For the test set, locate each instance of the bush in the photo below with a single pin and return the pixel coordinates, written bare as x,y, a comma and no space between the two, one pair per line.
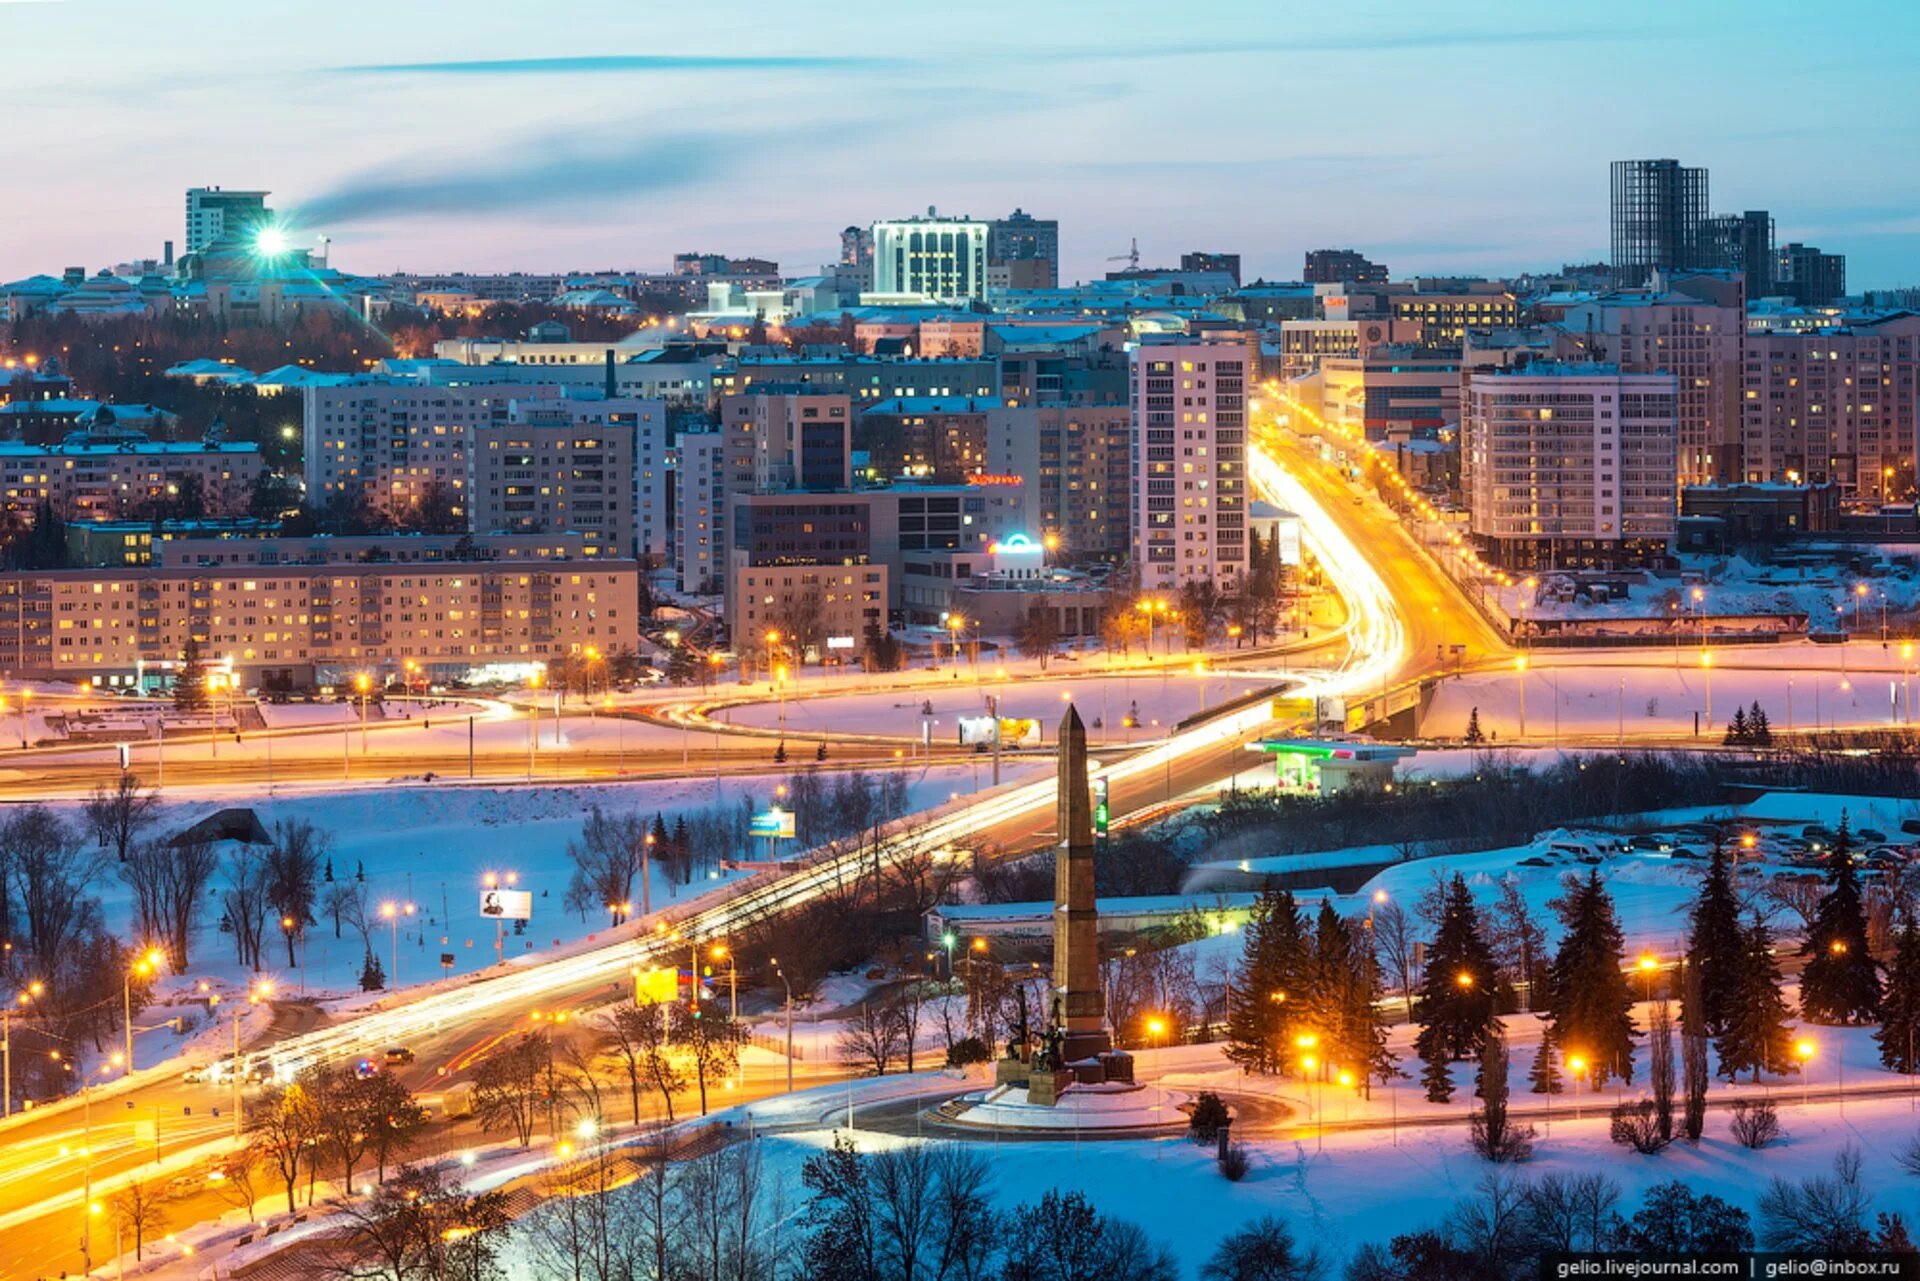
1637,1126
1209,1114
1674,1219
1755,1123
1234,1162
968,1049
1263,1250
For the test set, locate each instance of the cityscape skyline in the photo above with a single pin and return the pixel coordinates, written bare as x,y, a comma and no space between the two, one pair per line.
657,135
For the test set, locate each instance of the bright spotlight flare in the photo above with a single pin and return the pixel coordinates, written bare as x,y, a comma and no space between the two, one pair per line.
271,241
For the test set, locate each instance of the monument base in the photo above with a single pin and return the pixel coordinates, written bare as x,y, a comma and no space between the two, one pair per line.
1112,1107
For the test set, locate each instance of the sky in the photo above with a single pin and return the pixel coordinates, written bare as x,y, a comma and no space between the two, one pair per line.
1436,136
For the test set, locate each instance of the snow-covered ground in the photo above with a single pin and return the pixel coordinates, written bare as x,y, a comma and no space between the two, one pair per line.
431,846
1606,701
1826,592
1157,699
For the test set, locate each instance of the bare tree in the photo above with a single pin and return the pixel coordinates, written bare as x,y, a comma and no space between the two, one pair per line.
169,882
637,1042
286,1126
118,814
139,1209
1661,1066
605,860
507,1086
293,875
235,1178
422,1226
871,1040
247,902
711,1039
1818,1215
1394,945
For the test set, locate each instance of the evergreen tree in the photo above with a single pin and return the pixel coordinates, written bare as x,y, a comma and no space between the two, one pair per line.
373,977
1901,1006
1493,1135
1457,991
1840,982
1437,1078
1474,733
1755,1036
1737,731
1545,1075
1269,985
1590,997
1715,945
1760,731
1693,1055
190,682
1329,983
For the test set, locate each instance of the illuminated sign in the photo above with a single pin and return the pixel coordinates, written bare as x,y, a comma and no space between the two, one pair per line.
1100,812
656,986
987,478
507,905
776,822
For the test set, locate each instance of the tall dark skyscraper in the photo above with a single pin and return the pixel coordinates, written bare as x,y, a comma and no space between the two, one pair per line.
1742,242
1659,207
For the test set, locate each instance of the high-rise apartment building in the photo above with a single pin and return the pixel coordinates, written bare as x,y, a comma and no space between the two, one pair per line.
1076,462
1570,465
213,212
1741,242
1694,330
700,517
942,259
1834,405
1658,210
565,465
1025,250
1809,277
1189,402
1342,267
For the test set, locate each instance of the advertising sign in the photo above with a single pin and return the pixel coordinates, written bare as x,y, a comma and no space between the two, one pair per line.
774,822
656,986
507,905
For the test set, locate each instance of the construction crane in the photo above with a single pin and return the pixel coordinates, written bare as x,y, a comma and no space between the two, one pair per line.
1131,257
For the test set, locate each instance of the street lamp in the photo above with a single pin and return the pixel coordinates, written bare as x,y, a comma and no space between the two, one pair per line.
393,912
363,683
1520,675
23,999
1803,1050
1578,1066
147,966
774,961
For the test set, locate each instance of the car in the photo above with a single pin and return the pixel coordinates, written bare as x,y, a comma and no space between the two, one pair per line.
194,1076
364,1069
259,1068
1872,834
399,1056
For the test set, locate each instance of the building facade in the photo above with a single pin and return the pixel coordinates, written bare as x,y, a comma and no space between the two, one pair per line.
213,213
1570,465
102,481
1189,403
1341,266
304,622
1834,405
1658,210
933,258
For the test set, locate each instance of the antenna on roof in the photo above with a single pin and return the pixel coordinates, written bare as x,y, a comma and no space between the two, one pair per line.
1131,257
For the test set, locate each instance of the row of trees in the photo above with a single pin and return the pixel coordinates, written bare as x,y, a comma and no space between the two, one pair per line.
326,1119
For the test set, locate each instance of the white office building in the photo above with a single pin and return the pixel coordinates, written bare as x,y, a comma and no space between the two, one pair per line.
931,259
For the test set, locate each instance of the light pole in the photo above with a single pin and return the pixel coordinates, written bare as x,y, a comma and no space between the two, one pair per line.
145,967
1520,675
393,912
256,993
788,987
6,1043
1576,1065
1803,1050
1706,667
363,683
492,881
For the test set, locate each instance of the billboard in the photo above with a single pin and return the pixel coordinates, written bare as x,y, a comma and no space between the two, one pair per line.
775,822
656,986
1014,731
839,642
507,905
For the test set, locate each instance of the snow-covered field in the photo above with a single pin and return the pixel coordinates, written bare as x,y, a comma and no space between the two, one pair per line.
1824,592
431,845
1662,699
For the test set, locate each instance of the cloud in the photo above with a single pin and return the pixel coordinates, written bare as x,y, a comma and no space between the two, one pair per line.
1384,42
548,171
601,64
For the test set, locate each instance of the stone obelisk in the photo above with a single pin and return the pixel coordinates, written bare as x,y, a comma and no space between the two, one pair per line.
1077,1007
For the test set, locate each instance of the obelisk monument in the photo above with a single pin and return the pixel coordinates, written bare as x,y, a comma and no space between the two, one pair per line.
1077,1008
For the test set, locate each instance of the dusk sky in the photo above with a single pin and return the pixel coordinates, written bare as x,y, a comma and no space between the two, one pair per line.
1435,136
